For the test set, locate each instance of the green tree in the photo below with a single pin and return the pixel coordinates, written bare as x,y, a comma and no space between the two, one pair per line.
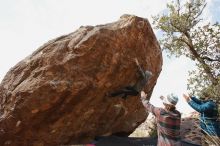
185,33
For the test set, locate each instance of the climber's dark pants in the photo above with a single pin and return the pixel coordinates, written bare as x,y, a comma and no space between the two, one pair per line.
129,90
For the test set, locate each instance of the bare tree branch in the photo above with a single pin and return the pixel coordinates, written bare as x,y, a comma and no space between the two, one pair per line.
200,11
210,59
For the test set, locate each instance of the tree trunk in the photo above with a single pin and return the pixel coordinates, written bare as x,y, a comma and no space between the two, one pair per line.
205,66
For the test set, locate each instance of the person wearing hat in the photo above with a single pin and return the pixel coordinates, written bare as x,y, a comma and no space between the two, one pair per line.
208,110
168,120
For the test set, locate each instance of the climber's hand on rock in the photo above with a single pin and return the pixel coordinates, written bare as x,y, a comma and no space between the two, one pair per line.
136,61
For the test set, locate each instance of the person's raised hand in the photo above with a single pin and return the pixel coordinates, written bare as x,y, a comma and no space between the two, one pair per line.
143,95
162,97
187,98
143,98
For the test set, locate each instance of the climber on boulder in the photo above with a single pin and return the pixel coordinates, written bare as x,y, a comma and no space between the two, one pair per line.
134,90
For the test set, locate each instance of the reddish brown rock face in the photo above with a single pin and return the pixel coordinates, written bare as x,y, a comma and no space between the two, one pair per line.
57,95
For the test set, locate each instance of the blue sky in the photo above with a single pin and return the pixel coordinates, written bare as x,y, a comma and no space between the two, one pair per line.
214,10
25,25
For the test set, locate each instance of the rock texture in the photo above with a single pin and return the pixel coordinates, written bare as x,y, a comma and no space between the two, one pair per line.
57,95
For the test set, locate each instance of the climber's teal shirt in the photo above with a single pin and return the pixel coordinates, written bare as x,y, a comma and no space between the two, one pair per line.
208,115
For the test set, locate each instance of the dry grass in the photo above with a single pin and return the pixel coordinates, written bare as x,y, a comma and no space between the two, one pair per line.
208,139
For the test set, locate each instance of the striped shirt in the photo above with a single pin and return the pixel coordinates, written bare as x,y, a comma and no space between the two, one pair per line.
168,125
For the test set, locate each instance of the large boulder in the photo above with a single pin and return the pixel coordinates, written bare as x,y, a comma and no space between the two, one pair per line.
57,95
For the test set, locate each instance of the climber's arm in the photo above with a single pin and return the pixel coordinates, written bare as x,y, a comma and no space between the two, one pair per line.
139,68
